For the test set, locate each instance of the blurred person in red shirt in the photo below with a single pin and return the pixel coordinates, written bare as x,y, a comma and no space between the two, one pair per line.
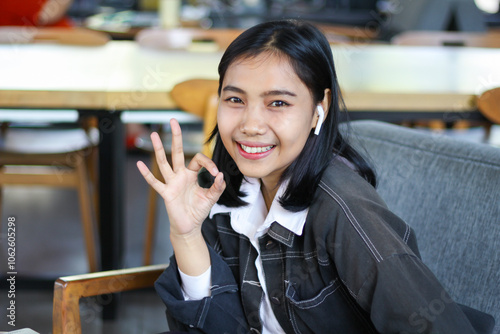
47,13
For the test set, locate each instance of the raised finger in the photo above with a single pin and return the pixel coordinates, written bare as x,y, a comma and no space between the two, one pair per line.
161,158
201,160
177,150
149,177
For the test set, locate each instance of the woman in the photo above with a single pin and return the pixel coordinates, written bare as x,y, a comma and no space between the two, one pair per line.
291,237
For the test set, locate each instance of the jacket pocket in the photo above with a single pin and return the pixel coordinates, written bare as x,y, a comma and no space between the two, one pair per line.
294,298
332,310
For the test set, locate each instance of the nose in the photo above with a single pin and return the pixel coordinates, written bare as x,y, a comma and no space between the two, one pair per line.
253,121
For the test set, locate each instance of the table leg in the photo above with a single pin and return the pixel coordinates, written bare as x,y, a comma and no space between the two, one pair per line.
111,197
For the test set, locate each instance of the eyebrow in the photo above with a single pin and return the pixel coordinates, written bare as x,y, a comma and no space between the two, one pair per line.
230,88
233,89
278,92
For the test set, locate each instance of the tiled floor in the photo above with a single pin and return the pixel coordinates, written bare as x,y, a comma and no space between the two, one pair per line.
49,245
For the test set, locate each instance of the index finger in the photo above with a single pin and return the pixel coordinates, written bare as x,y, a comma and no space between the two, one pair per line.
201,160
177,149
160,156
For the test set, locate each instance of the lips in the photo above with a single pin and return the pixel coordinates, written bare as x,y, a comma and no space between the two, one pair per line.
256,149
254,152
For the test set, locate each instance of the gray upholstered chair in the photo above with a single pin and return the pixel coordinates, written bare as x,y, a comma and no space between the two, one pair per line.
449,192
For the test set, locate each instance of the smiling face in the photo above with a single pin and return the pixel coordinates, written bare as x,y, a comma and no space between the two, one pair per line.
265,116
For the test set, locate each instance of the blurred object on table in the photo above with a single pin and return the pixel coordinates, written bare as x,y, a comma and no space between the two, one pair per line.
442,15
194,39
122,24
35,13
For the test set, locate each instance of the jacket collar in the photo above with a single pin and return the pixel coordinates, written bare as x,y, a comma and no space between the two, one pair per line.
253,220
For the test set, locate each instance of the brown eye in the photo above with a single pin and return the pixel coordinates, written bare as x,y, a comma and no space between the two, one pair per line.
279,104
234,100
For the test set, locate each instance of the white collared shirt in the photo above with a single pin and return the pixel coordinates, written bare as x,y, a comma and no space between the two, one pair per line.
253,221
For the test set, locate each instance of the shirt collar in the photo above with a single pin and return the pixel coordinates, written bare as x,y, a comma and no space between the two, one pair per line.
253,219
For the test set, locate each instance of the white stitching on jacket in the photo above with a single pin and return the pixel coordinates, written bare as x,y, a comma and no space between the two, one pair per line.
352,220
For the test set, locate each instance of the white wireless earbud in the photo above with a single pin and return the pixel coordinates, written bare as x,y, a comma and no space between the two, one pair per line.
321,117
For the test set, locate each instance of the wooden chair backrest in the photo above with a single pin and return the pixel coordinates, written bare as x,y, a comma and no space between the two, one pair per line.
488,104
69,290
199,97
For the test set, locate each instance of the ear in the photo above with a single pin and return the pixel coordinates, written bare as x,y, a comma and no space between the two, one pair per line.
325,104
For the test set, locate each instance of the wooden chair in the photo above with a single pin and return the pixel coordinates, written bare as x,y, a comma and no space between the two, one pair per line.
69,290
488,104
54,156
62,158
187,38
198,97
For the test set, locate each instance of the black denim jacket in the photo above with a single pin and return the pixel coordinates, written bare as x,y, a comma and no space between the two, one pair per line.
355,269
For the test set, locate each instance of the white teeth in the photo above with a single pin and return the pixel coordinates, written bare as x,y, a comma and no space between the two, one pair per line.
252,149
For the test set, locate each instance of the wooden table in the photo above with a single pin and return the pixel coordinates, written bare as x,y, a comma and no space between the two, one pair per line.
384,82
117,76
121,76
414,82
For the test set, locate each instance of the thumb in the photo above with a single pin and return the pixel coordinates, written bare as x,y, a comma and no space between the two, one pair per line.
217,188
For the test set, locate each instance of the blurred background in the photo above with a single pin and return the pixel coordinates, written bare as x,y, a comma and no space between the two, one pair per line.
387,16
53,246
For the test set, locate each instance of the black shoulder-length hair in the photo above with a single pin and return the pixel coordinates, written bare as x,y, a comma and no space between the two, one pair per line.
310,55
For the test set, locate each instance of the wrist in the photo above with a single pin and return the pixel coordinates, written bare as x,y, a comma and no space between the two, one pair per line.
194,235
191,253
